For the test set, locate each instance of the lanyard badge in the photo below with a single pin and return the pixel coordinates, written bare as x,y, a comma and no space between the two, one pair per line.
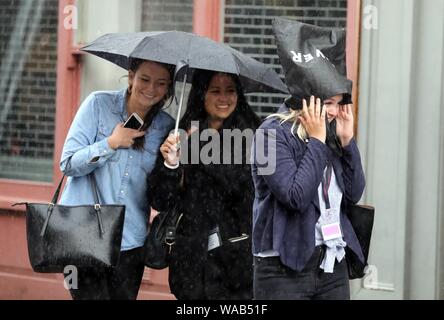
330,226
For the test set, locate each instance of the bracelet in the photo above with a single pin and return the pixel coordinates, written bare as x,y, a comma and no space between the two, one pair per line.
170,166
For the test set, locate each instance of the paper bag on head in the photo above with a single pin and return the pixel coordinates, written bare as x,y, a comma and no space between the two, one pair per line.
313,60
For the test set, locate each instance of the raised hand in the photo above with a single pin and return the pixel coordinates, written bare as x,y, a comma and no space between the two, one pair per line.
345,124
123,137
313,119
170,150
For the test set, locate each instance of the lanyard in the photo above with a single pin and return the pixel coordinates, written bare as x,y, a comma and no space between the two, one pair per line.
326,179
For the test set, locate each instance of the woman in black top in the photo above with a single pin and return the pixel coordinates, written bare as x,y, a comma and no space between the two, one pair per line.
215,199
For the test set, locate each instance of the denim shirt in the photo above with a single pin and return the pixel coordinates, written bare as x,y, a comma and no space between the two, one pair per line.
121,174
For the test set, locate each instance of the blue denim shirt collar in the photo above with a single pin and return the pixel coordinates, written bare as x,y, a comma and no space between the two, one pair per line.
120,106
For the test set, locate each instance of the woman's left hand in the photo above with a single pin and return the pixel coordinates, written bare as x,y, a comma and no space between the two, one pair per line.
344,124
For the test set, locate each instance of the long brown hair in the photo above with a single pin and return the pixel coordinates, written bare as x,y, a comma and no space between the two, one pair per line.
242,117
134,64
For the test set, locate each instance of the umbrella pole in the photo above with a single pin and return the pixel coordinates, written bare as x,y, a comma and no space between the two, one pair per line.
179,111
176,127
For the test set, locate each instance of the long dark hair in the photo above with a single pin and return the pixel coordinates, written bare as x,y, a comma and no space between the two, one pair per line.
243,117
134,65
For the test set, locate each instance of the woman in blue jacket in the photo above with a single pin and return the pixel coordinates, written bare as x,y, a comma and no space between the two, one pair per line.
120,159
307,173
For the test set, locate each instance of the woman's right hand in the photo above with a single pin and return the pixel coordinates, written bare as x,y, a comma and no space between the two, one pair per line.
313,119
123,137
169,150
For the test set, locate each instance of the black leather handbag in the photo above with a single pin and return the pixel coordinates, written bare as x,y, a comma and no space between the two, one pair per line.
161,238
361,218
80,236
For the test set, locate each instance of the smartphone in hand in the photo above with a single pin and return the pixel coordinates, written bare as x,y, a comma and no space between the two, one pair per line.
134,122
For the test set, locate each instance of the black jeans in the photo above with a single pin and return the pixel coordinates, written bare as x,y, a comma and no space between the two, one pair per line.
119,283
220,284
274,281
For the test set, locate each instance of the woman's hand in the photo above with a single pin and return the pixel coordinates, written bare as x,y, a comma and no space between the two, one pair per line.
345,124
170,150
313,119
123,137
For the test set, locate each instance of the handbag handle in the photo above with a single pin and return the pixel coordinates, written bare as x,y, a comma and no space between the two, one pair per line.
97,202
55,198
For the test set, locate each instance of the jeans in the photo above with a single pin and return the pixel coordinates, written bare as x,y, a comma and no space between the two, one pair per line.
275,281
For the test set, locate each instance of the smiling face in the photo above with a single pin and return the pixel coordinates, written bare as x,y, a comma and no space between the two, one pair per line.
149,85
332,107
220,99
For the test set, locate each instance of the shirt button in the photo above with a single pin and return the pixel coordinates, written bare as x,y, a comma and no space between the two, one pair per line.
126,174
121,191
131,157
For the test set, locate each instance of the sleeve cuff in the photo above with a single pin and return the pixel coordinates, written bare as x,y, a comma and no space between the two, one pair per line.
350,147
102,151
318,144
171,167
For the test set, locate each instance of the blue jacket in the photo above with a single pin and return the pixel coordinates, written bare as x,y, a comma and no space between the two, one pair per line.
286,204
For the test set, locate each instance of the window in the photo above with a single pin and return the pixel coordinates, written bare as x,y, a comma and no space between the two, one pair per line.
28,59
167,15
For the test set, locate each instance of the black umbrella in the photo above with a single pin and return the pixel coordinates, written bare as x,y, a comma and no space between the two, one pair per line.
197,51
186,50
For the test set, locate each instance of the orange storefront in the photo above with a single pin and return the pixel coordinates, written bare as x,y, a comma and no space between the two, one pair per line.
217,19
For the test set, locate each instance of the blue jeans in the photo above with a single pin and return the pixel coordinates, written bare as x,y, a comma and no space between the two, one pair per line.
275,281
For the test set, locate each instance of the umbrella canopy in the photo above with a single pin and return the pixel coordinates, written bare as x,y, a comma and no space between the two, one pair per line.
198,52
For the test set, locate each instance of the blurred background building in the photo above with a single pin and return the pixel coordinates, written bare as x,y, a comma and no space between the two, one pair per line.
394,57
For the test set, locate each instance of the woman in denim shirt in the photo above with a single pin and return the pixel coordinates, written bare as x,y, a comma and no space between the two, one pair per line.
120,159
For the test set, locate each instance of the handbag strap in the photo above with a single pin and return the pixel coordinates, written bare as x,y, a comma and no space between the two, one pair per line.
97,206
92,179
55,198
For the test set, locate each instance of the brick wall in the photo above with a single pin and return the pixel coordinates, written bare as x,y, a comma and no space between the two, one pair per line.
167,15
28,57
247,28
